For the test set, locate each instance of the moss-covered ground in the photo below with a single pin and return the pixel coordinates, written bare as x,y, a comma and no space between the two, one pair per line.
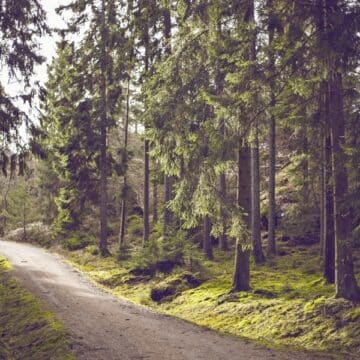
289,304
26,330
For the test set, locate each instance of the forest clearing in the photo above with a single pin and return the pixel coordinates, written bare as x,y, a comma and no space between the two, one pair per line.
180,179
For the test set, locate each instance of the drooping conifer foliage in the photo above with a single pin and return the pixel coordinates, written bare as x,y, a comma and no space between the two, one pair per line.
21,24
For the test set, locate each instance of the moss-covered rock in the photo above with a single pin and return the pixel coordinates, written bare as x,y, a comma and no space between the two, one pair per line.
174,285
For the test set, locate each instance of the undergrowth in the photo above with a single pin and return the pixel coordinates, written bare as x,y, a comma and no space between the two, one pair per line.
26,330
289,304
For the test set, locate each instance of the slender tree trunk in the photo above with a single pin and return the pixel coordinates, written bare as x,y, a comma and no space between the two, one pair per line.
146,191
146,214
103,136
24,220
155,203
220,77
4,207
255,161
167,198
125,183
223,241
322,170
241,278
329,236
305,163
207,246
322,201
345,281
255,201
272,146
328,232
168,180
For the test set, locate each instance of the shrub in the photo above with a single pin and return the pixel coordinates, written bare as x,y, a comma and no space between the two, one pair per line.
77,241
163,254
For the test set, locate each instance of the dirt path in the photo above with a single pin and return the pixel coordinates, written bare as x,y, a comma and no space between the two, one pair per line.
104,327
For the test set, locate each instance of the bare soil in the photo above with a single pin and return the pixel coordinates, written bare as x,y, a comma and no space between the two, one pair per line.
108,328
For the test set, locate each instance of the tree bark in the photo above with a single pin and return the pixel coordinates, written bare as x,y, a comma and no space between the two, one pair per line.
322,170
305,162
345,281
168,181
219,80
255,161
24,217
103,136
272,145
223,241
255,201
146,192
167,198
125,183
329,236
241,278
207,246
155,202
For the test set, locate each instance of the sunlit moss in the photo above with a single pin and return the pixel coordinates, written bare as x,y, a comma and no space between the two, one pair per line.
27,332
289,304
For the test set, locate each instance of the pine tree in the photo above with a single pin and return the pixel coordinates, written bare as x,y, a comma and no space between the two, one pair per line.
102,68
22,23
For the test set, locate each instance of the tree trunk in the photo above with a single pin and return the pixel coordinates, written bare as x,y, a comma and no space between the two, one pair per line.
167,198
24,219
305,162
155,202
329,236
322,202
241,278
223,241
125,184
322,171
146,191
255,162
168,181
103,136
219,80
345,281
272,146
207,246
255,201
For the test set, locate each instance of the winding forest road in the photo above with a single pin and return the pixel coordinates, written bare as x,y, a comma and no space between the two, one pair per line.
107,328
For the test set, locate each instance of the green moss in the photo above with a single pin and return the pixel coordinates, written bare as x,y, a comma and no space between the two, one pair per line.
289,305
353,314
27,332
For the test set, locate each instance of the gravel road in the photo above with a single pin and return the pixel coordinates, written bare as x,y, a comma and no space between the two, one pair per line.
104,327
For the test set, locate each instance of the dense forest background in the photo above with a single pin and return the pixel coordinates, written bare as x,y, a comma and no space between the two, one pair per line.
171,132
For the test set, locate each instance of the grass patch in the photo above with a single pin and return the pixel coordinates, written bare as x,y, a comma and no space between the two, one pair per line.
26,331
289,304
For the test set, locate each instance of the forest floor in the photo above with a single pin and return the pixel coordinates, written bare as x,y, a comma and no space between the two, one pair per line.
289,305
27,331
108,327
